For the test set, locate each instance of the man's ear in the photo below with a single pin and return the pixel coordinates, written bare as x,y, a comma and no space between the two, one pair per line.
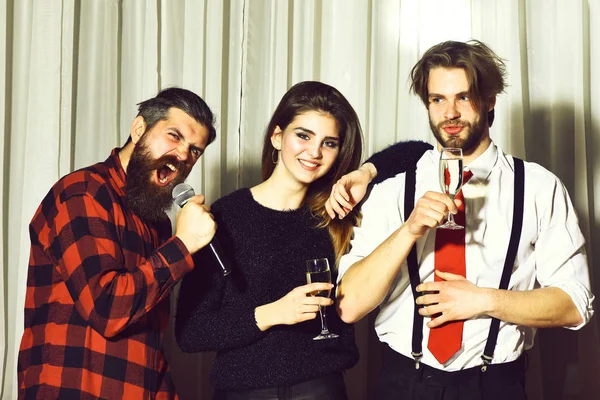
138,127
276,138
491,114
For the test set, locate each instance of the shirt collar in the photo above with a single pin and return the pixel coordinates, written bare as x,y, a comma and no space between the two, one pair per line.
117,172
482,166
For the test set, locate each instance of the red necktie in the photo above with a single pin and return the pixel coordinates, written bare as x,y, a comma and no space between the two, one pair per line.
446,340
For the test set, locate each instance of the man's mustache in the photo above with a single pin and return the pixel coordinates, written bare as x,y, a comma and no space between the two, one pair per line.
458,122
160,162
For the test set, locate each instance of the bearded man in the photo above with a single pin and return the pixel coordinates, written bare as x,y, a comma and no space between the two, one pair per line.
103,261
458,309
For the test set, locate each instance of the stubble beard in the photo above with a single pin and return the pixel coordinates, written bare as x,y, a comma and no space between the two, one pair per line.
469,142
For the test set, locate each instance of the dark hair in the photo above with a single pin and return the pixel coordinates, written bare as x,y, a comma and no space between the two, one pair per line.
157,109
320,97
485,71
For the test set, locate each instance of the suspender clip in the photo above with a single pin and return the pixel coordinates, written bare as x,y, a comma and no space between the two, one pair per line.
487,360
417,357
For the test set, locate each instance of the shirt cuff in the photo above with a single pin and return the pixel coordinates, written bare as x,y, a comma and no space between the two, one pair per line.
175,260
582,298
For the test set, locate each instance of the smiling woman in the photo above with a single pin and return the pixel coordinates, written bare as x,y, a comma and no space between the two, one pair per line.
305,101
307,148
261,319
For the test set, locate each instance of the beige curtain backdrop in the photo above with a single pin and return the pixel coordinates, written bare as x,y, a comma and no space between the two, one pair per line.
72,72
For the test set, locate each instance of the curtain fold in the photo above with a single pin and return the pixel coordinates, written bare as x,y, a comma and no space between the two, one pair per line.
4,111
592,118
73,72
33,138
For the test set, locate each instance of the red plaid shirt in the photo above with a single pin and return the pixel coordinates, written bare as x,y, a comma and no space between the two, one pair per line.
96,307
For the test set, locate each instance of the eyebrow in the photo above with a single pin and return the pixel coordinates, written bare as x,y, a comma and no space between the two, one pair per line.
337,139
178,132
463,93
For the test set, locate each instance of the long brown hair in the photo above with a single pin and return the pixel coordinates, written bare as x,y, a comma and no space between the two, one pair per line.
484,69
320,97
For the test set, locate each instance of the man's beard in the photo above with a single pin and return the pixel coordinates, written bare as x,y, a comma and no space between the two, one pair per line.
147,199
469,143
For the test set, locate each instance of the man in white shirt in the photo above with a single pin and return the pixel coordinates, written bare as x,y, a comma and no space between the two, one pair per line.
549,282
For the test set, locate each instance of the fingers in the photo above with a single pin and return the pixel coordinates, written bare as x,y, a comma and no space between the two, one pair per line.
428,208
339,201
430,287
438,321
318,301
428,299
314,287
450,205
333,207
308,295
338,209
430,211
341,194
204,209
343,205
431,307
431,310
329,209
447,276
427,218
198,202
437,312
195,225
437,204
309,309
308,316
198,199
301,303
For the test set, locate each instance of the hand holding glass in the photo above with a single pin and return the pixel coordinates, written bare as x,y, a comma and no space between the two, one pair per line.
451,179
318,271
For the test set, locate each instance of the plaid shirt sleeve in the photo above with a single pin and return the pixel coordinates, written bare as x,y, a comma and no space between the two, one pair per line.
89,241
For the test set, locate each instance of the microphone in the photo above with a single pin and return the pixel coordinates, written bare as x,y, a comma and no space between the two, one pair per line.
181,194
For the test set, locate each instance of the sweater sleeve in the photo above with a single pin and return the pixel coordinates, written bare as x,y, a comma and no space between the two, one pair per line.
213,311
397,158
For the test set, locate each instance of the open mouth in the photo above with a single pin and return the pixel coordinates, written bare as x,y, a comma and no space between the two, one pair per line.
166,174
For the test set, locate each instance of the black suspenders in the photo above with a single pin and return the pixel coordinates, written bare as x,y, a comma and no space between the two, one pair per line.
511,254
413,267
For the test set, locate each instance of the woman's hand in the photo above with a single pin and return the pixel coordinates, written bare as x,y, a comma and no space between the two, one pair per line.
295,307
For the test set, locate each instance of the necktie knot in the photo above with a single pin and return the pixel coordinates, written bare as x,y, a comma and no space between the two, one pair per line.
466,176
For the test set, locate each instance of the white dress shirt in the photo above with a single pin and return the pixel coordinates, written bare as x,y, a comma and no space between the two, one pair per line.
551,251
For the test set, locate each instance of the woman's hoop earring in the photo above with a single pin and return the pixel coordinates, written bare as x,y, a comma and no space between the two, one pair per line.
274,156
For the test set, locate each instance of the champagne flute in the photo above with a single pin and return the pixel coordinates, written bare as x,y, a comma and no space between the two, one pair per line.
318,271
451,179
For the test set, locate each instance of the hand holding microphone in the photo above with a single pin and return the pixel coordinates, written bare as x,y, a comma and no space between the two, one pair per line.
195,224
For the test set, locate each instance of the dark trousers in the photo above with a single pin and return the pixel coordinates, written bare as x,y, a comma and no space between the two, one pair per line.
330,387
401,380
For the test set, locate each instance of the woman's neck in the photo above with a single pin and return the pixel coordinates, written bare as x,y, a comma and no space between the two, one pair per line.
279,194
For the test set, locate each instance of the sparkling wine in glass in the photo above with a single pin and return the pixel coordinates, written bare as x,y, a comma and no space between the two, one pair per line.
451,179
318,271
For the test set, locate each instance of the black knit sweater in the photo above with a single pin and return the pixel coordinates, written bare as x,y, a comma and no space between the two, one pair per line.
268,250
397,158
